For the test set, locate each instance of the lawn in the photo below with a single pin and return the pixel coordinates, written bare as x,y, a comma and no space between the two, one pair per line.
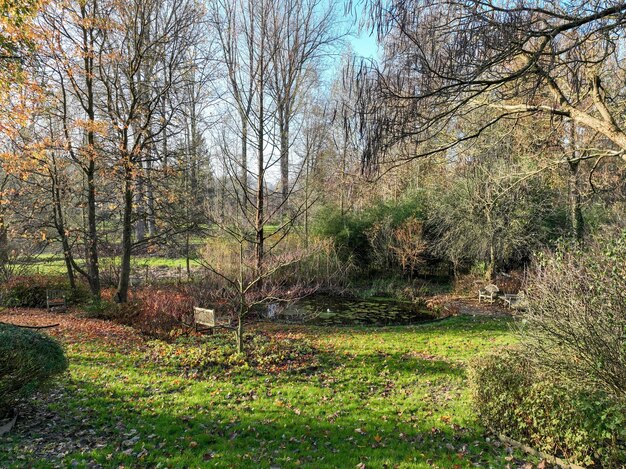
52,264
377,397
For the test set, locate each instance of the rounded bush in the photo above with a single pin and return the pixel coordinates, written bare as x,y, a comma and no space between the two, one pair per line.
28,359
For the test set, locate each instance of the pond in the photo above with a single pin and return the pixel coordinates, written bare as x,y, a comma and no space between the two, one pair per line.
341,311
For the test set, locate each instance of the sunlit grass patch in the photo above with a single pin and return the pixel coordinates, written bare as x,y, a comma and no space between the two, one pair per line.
393,395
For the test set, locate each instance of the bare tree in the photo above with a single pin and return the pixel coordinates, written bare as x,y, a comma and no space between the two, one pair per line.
302,33
446,59
147,35
237,31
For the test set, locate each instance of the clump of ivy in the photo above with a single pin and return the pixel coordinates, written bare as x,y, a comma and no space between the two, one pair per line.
197,356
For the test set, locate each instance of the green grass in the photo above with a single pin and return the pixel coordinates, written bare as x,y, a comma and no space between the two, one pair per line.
384,397
49,264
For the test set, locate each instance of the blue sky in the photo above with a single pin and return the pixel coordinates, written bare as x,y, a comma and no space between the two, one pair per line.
365,44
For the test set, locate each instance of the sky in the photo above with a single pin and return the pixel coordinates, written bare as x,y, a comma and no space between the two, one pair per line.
365,45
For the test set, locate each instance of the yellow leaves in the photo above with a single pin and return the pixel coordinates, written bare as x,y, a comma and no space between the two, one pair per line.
95,126
16,164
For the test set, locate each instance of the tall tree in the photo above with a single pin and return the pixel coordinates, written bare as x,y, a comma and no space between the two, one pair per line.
72,29
302,33
146,35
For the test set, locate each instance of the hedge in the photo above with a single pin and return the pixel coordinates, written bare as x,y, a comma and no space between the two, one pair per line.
584,426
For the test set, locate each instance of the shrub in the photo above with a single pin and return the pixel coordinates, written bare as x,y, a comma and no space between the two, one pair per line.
513,398
101,308
155,311
355,233
28,360
575,326
30,291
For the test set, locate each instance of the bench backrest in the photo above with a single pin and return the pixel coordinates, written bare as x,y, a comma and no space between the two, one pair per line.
55,295
203,316
491,288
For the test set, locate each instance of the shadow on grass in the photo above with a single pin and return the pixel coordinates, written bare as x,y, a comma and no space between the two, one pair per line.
340,423
256,433
378,406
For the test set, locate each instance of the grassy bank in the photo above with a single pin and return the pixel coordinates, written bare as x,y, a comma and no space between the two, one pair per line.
381,397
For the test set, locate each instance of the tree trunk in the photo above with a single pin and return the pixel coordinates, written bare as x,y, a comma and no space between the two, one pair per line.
576,214
306,204
284,156
574,196
151,215
59,223
93,268
4,242
239,333
260,199
491,266
187,254
127,230
244,160
140,224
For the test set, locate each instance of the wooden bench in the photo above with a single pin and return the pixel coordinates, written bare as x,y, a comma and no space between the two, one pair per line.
516,300
208,319
55,300
489,292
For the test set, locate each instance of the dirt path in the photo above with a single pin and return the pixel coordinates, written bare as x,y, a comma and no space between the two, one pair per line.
458,305
74,327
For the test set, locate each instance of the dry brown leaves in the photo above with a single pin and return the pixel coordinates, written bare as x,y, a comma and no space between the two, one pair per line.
74,329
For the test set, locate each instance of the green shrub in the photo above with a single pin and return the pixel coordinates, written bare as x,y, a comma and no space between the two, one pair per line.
587,427
28,359
30,292
101,308
350,230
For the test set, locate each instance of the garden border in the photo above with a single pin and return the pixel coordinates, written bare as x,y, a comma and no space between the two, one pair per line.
549,458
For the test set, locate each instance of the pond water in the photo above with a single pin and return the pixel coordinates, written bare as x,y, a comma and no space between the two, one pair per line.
339,311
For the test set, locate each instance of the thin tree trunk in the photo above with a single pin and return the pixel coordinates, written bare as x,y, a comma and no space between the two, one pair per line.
187,263
306,203
284,156
93,268
59,223
151,215
240,333
127,229
140,224
244,160
260,199
574,196
576,214
4,241
491,266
